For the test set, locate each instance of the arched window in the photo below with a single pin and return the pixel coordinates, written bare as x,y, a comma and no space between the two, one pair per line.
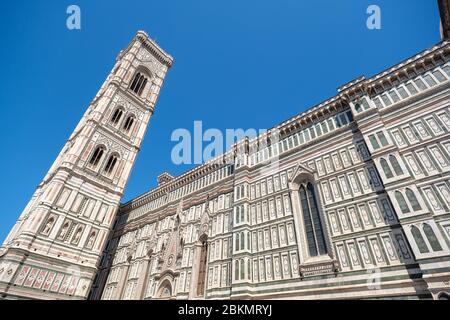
242,214
236,270
135,80
117,115
311,218
128,124
413,200
242,269
429,233
401,202
397,169
242,241
110,164
237,242
138,84
238,214
202,268
386,169
96,156
419,240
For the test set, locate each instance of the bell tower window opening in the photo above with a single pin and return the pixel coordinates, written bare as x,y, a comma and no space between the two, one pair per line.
117,115
96,156
128,124
139,83
110,164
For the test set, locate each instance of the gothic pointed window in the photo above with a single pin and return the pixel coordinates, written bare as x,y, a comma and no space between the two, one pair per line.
386,168
110,164
312,222
401,202
413,200
242,269
419,240
237,243
128,124
135,80
138,84
117,115
96,156
397,169
429,233
236,270
202,268
144,83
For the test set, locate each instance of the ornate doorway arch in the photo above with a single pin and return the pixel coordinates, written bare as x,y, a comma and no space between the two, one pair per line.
165,290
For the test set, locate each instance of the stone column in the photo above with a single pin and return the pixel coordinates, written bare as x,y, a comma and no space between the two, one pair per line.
140,289
297,215
122,281
194,275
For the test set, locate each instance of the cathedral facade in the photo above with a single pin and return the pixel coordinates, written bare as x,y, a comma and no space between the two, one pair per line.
349,199
357,205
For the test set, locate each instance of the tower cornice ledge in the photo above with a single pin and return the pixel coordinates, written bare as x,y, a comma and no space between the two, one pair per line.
154,48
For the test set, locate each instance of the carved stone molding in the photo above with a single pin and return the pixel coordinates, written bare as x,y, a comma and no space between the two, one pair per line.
318,268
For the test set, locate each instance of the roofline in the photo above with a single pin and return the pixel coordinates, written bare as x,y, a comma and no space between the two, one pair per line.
344,92
152,46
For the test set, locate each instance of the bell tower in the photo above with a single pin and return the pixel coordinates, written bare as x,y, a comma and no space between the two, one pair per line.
54,248
444,11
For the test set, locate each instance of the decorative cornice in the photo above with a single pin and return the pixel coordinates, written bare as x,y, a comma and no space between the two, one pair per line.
442,48
154,48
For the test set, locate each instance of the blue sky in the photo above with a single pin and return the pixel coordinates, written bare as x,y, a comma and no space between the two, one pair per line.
238,64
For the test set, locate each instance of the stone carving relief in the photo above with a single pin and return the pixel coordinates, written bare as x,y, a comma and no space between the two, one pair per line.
111,145
122,100
48,225
300,170
150,62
